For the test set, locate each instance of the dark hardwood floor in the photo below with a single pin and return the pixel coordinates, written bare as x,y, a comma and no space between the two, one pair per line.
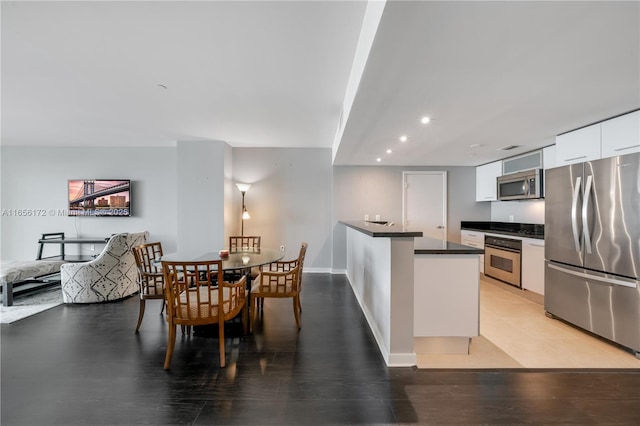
83,365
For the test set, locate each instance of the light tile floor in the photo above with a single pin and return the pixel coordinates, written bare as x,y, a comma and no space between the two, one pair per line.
515,333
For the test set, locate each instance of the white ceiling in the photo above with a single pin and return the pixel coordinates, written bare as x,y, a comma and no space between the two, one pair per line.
274,74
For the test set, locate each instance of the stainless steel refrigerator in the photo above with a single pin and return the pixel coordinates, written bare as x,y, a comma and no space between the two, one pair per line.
592,247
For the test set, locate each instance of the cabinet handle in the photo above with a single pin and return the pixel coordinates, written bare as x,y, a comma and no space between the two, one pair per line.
471,244
488,198
626,147
536,245
576,158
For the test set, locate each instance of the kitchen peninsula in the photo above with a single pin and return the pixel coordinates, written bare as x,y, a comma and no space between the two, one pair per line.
424,300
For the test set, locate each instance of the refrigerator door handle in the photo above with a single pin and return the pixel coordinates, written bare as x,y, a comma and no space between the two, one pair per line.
574,214
591,277
585,209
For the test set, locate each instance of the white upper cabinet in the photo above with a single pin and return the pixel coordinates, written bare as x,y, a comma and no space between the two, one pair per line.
486,181
521,163
621,135
549,157
609,138
578,146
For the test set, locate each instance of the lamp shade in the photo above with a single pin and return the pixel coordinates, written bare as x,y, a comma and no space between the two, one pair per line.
245,214
243,187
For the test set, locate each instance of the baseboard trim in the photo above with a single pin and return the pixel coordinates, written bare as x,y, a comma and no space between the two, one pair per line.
317,270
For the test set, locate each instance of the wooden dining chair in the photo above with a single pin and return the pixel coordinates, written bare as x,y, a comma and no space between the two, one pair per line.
197,294
240,242
279,279
151,279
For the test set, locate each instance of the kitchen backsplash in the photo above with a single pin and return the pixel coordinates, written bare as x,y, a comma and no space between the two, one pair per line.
518,211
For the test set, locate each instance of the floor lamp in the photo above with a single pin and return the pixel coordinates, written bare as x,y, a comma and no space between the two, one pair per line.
243,187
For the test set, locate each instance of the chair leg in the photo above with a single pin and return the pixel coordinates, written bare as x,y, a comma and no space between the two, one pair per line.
164,302
221,339
296,312
245,318
171,344
140,315
252,312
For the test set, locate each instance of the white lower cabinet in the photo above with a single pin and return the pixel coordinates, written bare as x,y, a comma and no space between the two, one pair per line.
533,265
473,239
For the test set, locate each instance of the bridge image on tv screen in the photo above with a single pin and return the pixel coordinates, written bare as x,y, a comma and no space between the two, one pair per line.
99,198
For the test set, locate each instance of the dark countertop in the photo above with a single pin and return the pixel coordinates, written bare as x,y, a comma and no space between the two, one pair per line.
434,246
427,245
522,230
378,230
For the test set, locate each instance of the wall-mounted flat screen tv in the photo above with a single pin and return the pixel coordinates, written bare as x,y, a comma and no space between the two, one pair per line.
100,197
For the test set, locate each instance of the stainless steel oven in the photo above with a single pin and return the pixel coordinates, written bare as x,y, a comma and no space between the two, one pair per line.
502,259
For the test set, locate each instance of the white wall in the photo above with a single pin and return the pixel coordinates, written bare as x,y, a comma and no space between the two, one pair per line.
183,196
36,178
201,196
522,211
289,200
230,218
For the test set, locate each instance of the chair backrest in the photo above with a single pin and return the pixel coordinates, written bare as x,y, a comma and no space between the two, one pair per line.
196,292
112,275
281,279
301,256
289,283
118,262
287,265
148,257
148,262
237,242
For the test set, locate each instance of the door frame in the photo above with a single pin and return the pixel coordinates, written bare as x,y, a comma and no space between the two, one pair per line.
442,173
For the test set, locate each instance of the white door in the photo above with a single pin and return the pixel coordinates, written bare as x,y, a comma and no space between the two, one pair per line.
425,204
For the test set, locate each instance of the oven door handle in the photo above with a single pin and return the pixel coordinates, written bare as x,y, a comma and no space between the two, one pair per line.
503,248
574,213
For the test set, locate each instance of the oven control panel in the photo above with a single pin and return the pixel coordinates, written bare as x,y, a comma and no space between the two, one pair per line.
507,243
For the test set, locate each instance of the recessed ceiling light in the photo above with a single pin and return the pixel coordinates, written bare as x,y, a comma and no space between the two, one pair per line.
389,151
403,138
425,120
378,159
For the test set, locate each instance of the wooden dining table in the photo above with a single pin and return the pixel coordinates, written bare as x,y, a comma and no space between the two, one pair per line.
243,258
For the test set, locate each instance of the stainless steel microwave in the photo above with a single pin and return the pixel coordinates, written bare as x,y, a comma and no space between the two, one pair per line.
520,186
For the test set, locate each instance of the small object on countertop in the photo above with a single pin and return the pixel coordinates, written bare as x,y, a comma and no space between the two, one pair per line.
224,253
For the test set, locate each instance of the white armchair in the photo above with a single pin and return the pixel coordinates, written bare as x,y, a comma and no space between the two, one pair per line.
113,275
